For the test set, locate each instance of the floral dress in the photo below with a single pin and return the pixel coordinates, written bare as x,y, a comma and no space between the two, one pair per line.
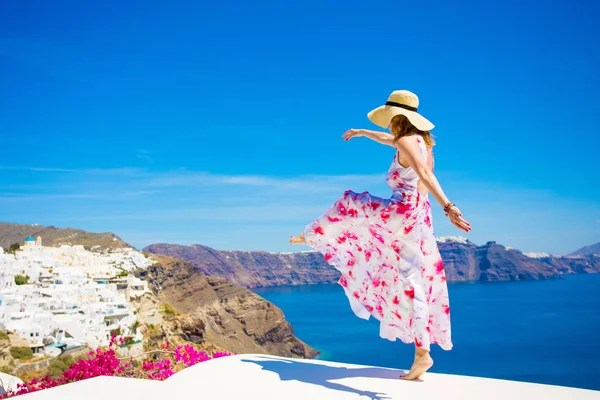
388,257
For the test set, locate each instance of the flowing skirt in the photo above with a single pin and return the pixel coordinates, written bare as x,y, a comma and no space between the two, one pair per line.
390,264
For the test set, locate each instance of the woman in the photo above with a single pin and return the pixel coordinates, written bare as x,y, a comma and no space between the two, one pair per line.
385,249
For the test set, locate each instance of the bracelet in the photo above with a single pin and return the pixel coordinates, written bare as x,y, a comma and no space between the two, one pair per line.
447,207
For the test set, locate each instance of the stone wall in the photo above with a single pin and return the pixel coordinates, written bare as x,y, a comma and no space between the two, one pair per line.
23,368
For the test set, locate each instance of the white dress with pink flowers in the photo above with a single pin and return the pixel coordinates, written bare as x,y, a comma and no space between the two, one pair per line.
388,257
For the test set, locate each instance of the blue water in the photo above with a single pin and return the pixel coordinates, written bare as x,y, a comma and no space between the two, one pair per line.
532,331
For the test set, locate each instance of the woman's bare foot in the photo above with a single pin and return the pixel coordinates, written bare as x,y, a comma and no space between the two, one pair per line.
298,239
420,366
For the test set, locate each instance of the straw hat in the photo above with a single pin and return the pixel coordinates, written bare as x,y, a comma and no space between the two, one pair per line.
400,102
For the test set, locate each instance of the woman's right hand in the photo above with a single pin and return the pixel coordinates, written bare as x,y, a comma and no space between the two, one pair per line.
350,133
457,220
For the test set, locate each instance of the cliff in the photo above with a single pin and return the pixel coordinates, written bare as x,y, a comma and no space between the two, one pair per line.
464,261
211,310
253,268
467,262
588,264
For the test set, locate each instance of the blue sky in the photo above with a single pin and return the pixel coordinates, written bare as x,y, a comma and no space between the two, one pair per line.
221,123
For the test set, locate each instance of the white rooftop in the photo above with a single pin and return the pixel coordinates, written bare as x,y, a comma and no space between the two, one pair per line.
537,255
252,376
457,239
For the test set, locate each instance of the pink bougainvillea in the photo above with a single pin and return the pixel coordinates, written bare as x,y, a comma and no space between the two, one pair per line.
104,362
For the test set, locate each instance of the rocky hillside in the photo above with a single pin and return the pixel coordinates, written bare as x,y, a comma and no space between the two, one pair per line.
6,360
211,310
587,250
464,261
52,236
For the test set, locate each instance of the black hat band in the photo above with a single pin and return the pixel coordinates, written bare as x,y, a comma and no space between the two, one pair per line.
392,103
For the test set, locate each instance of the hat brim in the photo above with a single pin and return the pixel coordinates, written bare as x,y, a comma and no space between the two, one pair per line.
382,116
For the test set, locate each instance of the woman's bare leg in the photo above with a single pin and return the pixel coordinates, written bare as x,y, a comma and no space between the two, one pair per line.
298,239
422,363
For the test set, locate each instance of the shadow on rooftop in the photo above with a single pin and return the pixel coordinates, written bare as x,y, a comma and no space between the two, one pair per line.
318,374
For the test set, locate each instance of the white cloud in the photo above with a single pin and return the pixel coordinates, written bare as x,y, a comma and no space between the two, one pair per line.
202,206
35,169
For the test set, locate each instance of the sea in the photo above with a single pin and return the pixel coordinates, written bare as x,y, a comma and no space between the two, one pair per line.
531,331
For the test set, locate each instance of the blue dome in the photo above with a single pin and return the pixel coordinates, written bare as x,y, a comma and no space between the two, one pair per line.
30,239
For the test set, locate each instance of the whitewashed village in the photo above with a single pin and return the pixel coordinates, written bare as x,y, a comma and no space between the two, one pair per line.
54,299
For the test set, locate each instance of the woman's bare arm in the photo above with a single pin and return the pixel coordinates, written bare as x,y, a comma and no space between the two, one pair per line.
409,147
379,137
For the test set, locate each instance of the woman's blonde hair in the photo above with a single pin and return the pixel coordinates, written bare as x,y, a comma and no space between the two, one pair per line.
400,126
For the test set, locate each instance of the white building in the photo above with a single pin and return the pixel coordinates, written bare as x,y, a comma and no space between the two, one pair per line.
70,296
